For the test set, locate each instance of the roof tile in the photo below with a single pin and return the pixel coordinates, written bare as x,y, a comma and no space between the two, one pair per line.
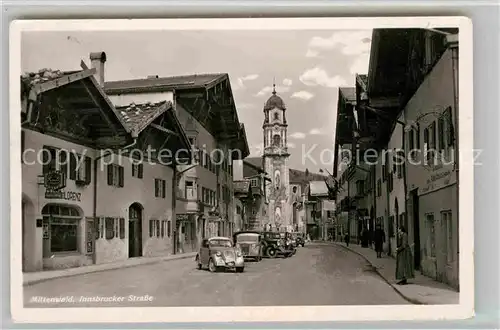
135,115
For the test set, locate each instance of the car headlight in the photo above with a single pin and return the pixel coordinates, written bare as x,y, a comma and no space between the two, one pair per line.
218,254
238,253
279,243
238,246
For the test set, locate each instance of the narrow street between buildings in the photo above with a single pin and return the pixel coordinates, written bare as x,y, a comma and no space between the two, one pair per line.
319,274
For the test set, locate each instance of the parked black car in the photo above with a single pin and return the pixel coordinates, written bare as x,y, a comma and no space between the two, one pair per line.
299,239
274,245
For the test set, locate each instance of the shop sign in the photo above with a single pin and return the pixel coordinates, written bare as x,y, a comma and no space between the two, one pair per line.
439,178
54,180
182,217
61,194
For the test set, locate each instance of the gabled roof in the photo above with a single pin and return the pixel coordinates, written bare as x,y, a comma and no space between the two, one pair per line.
298,176
88,112
318,188
139,116
348,94
163,83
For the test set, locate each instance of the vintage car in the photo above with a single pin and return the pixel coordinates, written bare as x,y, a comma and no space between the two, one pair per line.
300,239
219,253
289,240
249,243
275,245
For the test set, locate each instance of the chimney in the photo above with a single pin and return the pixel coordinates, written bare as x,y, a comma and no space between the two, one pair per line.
97,61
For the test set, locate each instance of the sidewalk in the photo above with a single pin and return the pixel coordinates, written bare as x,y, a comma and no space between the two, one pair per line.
420,290
36,277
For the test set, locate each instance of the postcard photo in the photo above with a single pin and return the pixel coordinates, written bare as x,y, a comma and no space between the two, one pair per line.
225,170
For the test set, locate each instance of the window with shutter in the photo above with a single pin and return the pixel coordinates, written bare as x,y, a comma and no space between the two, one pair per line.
151,229
163,189
157,188
110,228
163,228
134,166
157,222
168,228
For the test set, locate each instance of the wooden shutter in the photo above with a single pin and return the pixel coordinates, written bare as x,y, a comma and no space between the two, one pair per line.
88,170
63,161
156,188
151,228
449,125
163,188
157,228
110,174
133,169
417,137
140,171
122,228
72,166
120,176
45,159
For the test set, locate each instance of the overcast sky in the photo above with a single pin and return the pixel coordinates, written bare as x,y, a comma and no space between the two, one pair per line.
308,66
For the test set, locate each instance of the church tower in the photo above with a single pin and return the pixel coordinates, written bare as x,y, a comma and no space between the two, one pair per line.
276,163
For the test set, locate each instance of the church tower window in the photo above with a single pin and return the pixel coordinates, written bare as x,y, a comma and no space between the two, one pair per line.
276,140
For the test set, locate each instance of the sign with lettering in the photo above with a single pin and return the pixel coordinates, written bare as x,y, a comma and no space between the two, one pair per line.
439,178
182,217
54,180
61,194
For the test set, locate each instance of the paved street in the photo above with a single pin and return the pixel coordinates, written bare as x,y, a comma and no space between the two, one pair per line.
319,274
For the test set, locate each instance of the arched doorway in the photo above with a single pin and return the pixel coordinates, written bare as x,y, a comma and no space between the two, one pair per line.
135,230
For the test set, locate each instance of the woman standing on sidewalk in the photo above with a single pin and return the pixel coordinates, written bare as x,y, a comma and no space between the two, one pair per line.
379,239
404,258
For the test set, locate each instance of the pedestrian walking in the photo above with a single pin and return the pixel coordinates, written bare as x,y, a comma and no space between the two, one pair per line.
379,239
365,238
346,239
404,258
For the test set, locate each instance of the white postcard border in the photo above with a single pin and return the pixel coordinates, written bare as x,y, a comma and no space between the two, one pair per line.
252,314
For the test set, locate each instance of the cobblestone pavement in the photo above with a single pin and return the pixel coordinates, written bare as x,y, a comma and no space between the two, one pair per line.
319,274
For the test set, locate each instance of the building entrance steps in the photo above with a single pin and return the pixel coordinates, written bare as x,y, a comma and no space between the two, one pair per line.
419,290
36,277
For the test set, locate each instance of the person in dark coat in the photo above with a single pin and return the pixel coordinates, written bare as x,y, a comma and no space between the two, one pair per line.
365,238
379,239
346,239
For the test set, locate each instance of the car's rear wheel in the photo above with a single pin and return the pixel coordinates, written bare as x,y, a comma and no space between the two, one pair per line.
240,269
271,252
211,266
